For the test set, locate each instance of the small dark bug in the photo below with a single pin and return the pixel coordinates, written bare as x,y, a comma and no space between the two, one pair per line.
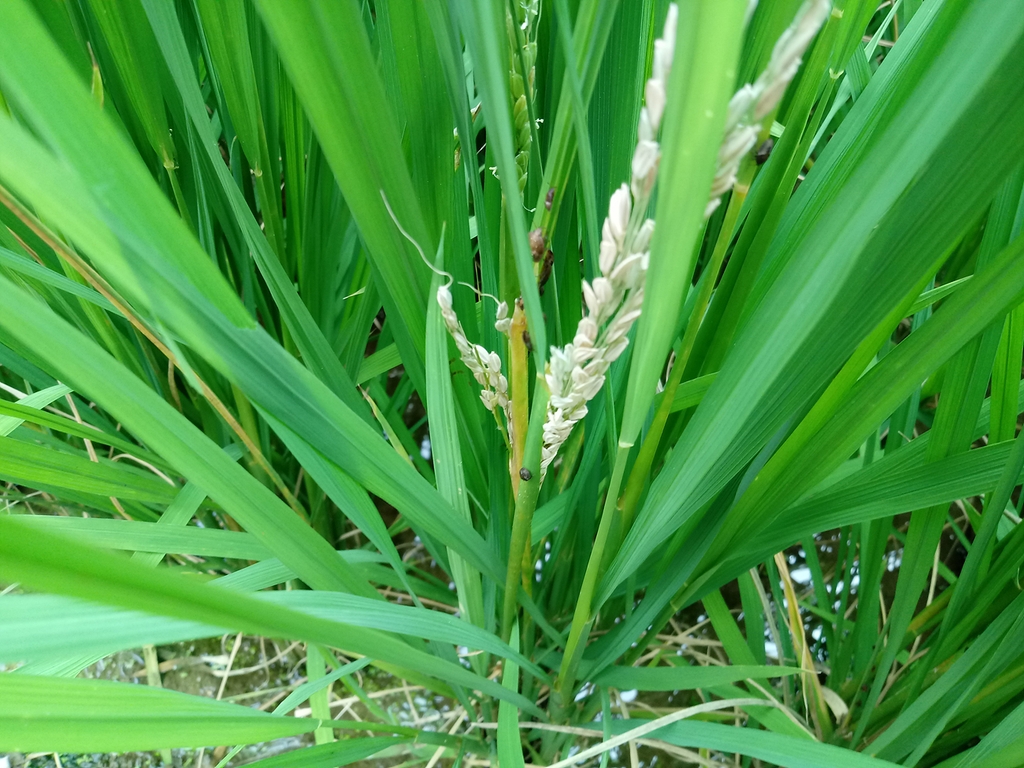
761,156
549,199
525,474
527,341
545,271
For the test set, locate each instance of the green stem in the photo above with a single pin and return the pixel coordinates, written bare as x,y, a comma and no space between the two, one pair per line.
247,418
519,389
269,200
179,198
582,617
526,503
645,459
268,188
593,21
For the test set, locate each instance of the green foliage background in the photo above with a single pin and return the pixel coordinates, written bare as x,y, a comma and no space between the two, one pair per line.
220,352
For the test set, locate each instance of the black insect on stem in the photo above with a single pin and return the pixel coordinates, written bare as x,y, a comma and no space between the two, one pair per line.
527,342
761,156
545,271
525,474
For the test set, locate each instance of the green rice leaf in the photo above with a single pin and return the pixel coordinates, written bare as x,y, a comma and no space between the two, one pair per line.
703,76
685,678
48,714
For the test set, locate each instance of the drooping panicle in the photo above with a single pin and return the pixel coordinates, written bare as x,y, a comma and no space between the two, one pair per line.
756,101
483,364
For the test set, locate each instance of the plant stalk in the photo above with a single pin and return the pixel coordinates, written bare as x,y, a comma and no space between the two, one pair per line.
582,617
645,459
526,503
519,389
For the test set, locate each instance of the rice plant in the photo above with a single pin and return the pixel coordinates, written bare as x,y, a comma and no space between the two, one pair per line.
633,381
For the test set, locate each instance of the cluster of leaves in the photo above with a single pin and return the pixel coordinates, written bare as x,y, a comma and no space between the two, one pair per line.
220,350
